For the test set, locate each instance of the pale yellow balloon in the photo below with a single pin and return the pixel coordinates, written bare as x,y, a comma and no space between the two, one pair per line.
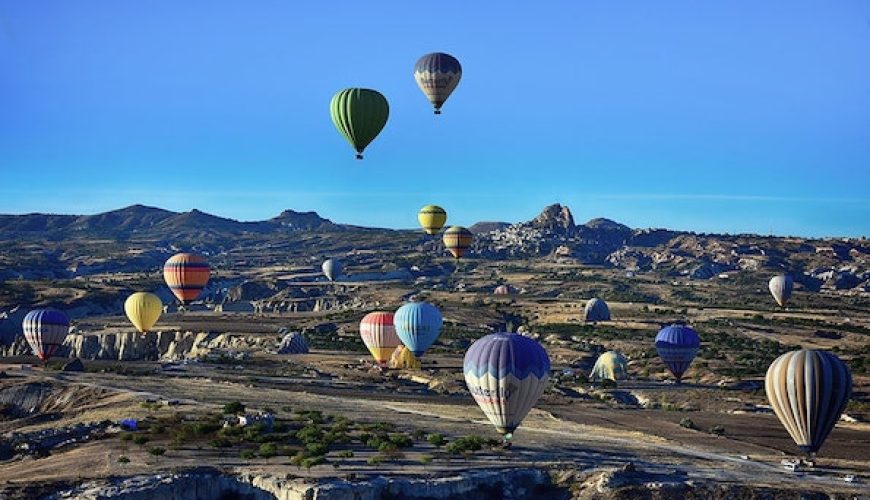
143,309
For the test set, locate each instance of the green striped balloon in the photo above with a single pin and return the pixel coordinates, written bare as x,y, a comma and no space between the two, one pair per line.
360,115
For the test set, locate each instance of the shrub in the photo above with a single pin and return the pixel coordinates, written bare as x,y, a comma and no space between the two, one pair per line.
309,434
157,451
436,440
345,454
312,461
317,449
376,459
234,408
204,428
123,460
717,430
465,444
425,459
140,439
126,436
221,443
297,459
418,434
687,423
401,440
267,450
248,454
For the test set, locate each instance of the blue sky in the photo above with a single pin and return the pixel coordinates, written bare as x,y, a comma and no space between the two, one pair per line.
734,117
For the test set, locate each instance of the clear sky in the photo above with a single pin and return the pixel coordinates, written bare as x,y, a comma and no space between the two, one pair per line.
711,116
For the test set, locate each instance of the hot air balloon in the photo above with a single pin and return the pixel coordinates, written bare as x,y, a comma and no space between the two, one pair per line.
781,287
506,373
432,218
143,310
418,324
403,359
437,74
677,345
360,115
610,365
502,290
331,269
293,343
808,390
45,331
596,310
457,240
186,274
379,335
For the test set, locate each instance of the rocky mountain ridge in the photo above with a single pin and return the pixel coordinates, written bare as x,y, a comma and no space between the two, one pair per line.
45,246
150,222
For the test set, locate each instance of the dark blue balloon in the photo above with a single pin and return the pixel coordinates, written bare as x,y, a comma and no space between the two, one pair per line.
677,345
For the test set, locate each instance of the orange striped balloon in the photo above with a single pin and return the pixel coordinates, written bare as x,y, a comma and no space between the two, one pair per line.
186,274
457,240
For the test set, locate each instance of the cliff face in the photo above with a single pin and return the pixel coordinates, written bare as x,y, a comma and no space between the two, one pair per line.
152,346
509,484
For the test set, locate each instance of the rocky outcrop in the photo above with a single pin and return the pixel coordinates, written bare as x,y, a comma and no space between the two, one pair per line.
620,483
210,484
170,346
554,218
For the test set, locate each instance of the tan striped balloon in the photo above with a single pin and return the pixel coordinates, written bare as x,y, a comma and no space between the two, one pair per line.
808,391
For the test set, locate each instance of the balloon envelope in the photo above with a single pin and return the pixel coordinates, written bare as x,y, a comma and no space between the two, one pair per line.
359,115
45,330
781,287
677,345
143,310
506,373
610,365
293,343
432,218
403,359
186,274
808,390
502,290
596,310
331,269
418,325
457,240
437,74
379,335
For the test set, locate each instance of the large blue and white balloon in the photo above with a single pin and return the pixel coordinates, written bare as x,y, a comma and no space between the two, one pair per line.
677,345
506,373
418,325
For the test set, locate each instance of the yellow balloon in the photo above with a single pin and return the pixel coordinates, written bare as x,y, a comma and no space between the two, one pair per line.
432,218
143,309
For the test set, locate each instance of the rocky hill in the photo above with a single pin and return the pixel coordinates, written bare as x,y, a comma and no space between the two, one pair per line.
833,263
139,238
142,222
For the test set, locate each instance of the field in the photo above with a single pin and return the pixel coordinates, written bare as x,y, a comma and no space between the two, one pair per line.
339,417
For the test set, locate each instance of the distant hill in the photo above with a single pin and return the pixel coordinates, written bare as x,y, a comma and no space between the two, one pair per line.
143,222
485,227
144,236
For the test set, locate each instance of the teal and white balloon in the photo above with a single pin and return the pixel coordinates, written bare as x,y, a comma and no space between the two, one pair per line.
418,325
